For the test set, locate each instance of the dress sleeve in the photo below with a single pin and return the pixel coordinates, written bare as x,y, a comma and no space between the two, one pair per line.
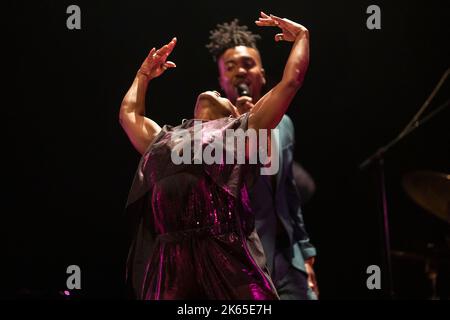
141,184
139,219
142,245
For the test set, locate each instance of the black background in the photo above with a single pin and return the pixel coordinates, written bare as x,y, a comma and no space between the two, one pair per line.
69,165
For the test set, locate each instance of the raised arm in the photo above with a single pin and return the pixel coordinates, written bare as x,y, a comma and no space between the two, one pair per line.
141,130
269,110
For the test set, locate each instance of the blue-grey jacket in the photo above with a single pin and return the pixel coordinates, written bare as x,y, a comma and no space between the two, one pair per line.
284,202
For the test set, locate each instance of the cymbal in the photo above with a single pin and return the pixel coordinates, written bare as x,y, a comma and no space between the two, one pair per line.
408,255
428,254
430,190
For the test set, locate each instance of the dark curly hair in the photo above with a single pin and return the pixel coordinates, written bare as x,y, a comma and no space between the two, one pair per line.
229,35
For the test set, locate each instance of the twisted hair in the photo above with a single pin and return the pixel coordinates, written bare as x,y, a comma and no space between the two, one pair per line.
230,35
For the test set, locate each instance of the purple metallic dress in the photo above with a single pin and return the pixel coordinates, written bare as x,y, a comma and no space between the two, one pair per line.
194,235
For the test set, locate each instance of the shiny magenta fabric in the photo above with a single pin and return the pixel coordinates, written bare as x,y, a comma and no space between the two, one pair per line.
194,230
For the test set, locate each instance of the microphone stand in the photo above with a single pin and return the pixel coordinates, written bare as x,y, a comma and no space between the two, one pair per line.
378,159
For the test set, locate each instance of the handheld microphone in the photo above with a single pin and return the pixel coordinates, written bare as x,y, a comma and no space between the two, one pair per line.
243,90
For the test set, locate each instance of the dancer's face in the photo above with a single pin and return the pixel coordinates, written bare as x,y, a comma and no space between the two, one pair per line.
238,65
210,105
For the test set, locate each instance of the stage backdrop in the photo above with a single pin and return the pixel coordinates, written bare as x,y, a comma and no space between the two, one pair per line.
69,164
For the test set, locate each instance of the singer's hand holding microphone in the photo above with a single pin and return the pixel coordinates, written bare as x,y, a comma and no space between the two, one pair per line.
244,102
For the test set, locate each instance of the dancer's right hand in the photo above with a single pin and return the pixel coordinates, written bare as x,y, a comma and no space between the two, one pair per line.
155,64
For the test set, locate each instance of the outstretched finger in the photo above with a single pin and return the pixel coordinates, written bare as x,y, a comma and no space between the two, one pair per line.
162,51
265,23
275,17
171,46
167,49
278,20
170,64
151,54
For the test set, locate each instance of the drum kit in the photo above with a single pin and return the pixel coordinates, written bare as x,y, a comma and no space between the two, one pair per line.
430,190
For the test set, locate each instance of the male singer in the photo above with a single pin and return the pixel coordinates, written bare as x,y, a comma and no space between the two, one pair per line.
274,199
